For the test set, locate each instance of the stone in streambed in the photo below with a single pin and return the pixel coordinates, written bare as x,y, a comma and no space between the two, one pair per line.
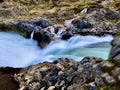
40,35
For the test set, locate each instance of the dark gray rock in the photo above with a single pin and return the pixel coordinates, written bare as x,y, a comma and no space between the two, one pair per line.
40,35
43,23
115,50
66,35
43,38
82,24
26,25
72,30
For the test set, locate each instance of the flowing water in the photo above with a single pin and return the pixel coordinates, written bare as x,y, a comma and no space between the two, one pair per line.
17,51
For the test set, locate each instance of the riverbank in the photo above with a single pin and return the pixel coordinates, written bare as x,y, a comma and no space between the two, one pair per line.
45,22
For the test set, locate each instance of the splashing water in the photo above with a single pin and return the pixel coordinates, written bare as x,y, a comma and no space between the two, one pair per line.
17,51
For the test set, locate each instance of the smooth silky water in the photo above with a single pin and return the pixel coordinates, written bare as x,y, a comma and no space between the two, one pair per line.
17,51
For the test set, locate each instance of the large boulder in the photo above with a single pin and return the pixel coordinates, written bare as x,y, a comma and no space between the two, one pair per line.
82,24
69,32
42,36
115,50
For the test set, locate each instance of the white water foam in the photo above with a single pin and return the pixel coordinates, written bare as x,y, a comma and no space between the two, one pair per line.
17,51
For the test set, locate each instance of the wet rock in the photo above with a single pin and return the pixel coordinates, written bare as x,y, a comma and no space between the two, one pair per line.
72,30
85,60
114,54
66,36
108,78
40,35
43,38
53,71
27,26
43,23
69,32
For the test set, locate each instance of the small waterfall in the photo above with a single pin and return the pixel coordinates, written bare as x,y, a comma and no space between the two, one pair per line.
17,51
52,31
31,36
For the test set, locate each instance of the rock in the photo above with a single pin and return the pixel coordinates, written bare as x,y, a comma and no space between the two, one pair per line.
53,71
112,15
40,35
43,38
116,72
66,74
51,88
43,23
108,64
114,53
30,77
108,78
26,25
82,24
72,30
95,22
66,36
60,66
91,86
77,87
69,32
